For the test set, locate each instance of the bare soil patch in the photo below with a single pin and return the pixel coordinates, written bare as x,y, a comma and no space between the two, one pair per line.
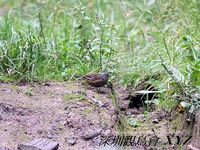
60,111
72,114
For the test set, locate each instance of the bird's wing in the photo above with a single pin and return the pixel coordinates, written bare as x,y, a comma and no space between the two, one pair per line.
90,77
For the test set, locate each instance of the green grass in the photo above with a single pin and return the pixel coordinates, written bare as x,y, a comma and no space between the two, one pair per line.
131,39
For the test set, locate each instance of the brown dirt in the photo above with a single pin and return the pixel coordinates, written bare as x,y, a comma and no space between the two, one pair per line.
72,114
59,111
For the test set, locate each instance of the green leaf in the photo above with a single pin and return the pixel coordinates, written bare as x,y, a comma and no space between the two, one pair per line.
196,74
177,75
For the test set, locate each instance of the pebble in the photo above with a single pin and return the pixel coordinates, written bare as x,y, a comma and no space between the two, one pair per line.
71,140
90,135
155,121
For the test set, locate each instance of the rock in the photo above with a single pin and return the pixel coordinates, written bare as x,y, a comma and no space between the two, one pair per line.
46,84
39,144
155,121
71,140
67,110
90,135
79,103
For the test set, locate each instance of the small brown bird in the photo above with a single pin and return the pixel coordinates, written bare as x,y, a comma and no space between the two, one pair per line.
97,80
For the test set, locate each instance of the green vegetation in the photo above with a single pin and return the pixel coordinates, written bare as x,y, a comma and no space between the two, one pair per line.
131,39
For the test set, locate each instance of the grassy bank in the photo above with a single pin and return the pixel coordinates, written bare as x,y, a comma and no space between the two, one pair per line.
133,40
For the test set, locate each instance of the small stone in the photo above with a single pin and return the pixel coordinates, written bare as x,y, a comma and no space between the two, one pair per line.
47,84
79,103
155,121
67,110
166,123
71,140
39,144
90,135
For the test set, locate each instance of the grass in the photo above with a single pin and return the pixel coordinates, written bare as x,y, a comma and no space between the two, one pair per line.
62,40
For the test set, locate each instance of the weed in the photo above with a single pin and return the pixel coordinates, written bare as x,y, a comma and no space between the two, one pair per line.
62,40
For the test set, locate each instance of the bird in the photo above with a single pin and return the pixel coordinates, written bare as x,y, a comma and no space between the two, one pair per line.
97,79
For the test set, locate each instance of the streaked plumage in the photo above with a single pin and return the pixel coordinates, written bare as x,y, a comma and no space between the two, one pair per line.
97,80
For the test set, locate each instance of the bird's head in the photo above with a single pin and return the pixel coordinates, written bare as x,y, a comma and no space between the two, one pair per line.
105,75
